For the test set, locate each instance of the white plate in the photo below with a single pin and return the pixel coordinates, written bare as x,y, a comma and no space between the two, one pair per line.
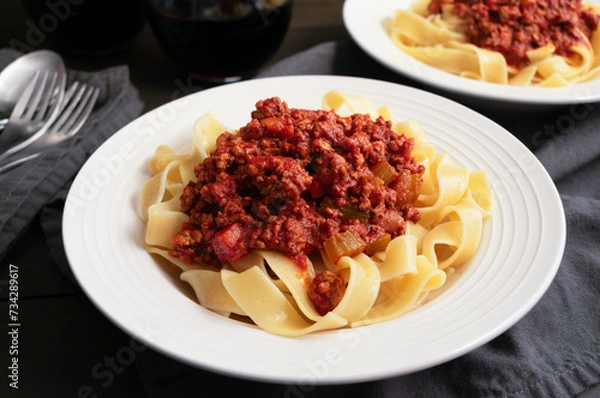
520,253
364,21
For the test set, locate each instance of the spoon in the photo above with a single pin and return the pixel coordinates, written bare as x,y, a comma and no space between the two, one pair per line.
18,74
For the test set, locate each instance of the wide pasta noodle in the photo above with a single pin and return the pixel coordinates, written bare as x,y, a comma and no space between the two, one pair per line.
437,40
271,290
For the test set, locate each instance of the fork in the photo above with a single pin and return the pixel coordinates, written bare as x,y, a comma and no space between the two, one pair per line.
76,108
38,105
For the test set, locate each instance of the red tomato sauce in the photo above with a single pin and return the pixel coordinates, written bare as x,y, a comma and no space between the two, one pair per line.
513,27
290,179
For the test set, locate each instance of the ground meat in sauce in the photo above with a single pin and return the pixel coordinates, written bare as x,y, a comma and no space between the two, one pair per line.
513,27
286,181
326,291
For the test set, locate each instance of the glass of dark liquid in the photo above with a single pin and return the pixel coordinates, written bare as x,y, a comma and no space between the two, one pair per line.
219,41
88,27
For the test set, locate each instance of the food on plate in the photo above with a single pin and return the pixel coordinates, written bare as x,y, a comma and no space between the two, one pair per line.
516,42
306,220
296,181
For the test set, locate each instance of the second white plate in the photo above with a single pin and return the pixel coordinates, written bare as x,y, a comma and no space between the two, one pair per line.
364,20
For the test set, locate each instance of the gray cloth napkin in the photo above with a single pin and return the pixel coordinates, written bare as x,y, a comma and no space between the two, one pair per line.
29,187
554,351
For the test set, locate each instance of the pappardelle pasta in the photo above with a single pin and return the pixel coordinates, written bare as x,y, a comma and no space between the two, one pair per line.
427,233
519,43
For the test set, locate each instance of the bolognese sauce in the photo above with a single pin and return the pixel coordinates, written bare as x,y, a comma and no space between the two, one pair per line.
296,181
514,27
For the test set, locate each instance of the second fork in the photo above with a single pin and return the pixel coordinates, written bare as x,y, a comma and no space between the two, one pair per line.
78,104
38,105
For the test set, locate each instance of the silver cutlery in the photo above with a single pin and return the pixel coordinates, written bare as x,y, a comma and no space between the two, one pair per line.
37,107
77,106
16,76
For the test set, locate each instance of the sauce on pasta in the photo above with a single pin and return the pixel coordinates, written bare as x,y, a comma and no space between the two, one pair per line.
514,27
290,179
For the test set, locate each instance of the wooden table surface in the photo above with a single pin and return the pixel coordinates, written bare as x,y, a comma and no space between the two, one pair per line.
62,335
